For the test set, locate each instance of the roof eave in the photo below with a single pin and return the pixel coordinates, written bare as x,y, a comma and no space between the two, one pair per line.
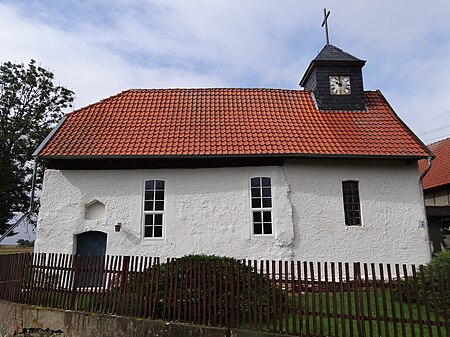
307,74
422,144
224,156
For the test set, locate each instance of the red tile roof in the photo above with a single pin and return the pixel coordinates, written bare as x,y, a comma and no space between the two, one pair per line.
214,122
439,173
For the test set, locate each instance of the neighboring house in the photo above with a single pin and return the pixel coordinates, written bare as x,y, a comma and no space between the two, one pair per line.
436,186
328,173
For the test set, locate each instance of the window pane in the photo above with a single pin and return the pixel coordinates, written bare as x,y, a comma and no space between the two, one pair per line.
158,219
149,219
351,203
158,231
159,195
148,231
267,202
257,228
267,217
149,184
256,192
265,181
149,195
160,184
255,182
257,217
256,203
266,192
159,205
148,206
267,228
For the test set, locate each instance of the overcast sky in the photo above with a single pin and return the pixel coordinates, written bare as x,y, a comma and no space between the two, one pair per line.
99,48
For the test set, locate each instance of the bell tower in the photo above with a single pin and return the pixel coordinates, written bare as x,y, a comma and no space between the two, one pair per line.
335,78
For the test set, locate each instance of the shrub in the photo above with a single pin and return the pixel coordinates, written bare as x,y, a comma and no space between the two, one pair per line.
439,265
206,279
25,243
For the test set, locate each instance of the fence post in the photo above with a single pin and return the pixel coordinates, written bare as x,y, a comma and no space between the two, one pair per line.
76,272
123,282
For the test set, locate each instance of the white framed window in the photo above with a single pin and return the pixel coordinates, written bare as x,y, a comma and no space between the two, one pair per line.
261,203
154,208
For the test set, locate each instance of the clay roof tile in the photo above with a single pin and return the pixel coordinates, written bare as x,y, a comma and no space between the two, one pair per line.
154,122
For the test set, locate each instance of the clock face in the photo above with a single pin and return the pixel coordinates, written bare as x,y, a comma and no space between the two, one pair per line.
340,85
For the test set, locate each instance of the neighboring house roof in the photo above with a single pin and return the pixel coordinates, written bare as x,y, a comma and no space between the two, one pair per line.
229,122
439,173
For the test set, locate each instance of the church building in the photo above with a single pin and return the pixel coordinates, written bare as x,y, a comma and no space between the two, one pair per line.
325,173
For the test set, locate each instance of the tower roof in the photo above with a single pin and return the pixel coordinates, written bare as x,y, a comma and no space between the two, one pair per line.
330,55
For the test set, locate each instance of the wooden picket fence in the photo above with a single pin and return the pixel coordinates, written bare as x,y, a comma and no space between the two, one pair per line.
293,297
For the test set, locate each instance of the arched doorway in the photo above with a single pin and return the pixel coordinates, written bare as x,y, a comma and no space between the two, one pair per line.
89,263
91,243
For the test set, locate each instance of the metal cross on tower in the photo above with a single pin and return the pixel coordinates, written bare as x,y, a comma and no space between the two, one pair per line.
325,23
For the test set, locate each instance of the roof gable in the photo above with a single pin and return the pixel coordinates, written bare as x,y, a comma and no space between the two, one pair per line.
229,122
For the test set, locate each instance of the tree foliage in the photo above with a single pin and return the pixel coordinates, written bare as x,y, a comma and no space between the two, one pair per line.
30,105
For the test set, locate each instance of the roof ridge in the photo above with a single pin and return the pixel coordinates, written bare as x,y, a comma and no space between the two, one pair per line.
439,141
103,100
212,88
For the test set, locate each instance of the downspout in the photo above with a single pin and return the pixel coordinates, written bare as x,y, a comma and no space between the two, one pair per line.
424,173
30,209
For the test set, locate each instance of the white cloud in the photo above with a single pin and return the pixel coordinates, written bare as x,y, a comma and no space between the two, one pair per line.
98,48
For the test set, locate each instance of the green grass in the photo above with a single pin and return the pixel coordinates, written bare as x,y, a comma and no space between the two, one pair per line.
349,327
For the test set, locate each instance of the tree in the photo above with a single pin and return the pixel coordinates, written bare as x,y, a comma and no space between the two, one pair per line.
30,105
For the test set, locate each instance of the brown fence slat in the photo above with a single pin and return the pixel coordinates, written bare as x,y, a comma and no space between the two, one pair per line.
280,297
335,305
369,306
214,266
305,277
425,300
157,268
357,298
319,287
273,297
384,301
408,300
220,267
435,303
391,293
286,295
445,309
300,295
293,302
400,299
238,292
349,297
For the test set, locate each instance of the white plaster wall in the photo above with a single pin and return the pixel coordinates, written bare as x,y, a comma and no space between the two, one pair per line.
208,211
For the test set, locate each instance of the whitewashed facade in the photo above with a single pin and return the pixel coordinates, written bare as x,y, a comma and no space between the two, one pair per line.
208,211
